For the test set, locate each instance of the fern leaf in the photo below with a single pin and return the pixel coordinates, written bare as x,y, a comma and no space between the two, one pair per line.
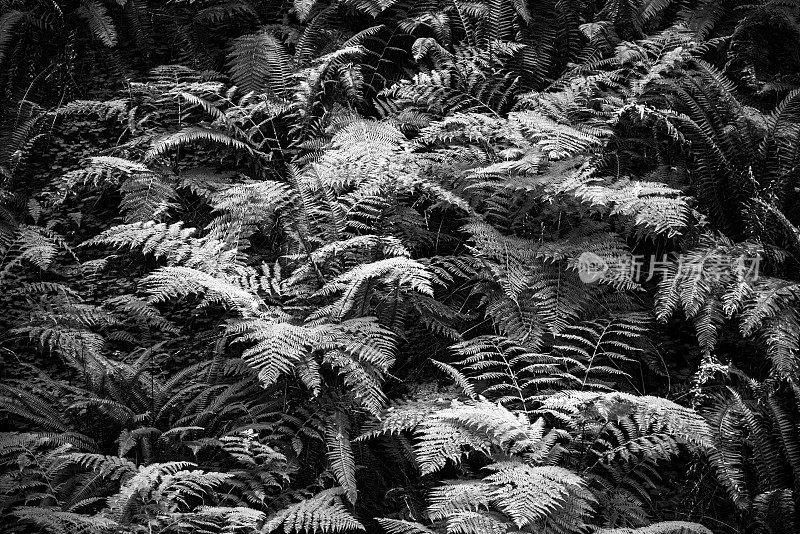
192,135
399,526
340,455
258,62
303,8
99,21
59,522
321,513
8,22
664,527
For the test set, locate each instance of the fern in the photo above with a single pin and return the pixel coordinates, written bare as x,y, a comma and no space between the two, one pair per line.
647,411
652,206
483,427
513,374
303,8
170,283
61,522
157,238
192,135
29,244
406,273
81,348
322,512
530,495
367,183
8,22
258,62
399,526
602,347
341,454
99,22
665,527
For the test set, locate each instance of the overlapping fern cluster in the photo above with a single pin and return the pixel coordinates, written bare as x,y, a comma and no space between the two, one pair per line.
318,267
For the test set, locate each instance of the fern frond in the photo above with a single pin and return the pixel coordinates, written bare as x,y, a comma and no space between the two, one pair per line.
56,521
258,62
320,513
81,348
399,526
663,527
655,413
532,495
193,135
402,416
278,347
408,274
169,283
8,22
99,21
340,455
482,426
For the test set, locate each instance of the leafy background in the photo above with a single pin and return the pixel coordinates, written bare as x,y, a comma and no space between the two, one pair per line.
314,266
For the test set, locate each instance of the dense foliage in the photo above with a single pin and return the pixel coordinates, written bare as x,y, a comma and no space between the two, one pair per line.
400,266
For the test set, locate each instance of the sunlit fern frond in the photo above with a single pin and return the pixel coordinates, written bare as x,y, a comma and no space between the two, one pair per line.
323,512
662,527
194,135
56,521
258,62
170,283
